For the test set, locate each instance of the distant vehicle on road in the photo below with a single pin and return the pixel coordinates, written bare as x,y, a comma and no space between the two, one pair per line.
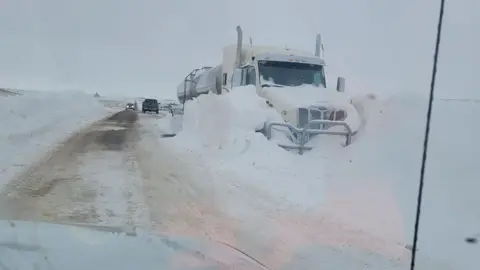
150,105
130,106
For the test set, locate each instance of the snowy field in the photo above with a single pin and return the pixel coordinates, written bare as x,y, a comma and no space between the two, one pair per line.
65,160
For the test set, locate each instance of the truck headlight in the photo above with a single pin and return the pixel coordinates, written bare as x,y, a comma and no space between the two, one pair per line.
302,117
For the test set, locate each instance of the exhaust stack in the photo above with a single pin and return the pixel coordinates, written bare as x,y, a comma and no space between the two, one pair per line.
238,60
318,45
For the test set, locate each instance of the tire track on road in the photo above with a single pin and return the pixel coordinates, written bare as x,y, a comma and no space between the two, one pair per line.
177,201
54,189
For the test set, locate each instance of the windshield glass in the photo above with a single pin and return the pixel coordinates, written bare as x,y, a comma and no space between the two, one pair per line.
290,73
253,152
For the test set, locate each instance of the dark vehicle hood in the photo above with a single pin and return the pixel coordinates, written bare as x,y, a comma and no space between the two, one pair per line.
35,245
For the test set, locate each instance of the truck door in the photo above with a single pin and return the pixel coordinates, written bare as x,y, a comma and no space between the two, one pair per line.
250,76
244,76
237,77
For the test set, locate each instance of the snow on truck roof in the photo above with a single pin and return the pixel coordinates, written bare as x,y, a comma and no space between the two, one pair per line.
265,51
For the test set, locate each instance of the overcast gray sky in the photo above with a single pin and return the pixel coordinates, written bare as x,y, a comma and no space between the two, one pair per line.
146,47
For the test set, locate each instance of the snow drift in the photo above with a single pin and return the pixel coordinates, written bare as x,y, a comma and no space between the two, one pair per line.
368,188
223,121
220,129
33,123
304,96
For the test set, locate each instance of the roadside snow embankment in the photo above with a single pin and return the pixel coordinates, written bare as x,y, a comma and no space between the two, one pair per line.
362,195
374,182
220,130
34,123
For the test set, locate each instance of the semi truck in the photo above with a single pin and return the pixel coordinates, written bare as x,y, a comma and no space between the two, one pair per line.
291,81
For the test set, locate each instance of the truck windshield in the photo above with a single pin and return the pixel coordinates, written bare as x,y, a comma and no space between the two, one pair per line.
290,73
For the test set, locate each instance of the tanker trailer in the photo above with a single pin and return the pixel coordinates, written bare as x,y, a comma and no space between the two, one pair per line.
200,81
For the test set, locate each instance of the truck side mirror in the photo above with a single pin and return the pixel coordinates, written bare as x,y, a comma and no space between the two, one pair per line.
341,84
237,77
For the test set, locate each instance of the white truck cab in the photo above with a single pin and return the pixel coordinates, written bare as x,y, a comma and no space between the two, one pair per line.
291,81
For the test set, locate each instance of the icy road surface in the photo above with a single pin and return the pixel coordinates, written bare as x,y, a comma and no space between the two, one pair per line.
83,180
115,172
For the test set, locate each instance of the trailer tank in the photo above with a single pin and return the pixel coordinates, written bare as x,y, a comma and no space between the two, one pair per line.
200,82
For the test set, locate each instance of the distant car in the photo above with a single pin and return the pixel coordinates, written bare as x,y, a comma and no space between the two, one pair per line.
130,106
150,105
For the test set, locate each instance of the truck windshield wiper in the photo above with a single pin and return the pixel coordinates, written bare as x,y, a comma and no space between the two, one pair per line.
271,85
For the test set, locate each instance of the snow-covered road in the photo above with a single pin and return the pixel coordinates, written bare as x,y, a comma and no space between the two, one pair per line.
115,172
88,178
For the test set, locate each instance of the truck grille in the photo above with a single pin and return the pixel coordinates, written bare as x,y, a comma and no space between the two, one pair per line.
319,113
